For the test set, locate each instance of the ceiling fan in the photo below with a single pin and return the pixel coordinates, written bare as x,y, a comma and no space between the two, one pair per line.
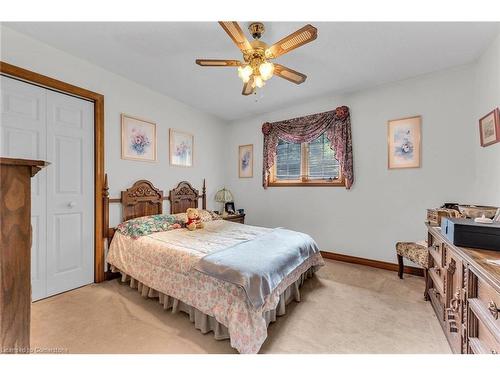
256,68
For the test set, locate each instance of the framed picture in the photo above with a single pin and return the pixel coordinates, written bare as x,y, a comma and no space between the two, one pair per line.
138,138
245,161
181,148
229,207
489,128
404,142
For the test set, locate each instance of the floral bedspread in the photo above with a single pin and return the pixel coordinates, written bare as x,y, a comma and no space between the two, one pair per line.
164,261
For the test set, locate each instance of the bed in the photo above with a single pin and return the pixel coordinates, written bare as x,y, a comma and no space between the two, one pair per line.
167,265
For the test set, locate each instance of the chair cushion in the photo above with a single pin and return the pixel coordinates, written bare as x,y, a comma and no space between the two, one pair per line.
417,252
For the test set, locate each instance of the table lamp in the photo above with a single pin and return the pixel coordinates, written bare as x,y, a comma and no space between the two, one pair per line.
223,196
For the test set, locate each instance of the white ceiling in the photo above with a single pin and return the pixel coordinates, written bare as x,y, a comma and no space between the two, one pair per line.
345,57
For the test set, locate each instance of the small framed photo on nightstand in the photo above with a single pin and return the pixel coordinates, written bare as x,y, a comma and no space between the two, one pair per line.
230,208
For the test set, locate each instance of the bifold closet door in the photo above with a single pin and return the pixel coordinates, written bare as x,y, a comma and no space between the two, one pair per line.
23,135
70,193
37,123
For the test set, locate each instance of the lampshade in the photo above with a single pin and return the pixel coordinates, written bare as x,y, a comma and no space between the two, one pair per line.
224,196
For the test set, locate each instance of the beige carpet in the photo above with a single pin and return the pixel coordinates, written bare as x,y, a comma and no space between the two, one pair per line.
345,309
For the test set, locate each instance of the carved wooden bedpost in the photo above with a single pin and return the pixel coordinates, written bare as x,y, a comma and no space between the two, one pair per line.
204,196
105,208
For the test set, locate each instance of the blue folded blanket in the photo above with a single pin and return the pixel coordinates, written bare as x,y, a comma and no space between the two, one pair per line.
259,265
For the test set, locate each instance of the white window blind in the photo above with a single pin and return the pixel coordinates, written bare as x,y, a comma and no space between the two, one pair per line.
312,161
321,161
288,160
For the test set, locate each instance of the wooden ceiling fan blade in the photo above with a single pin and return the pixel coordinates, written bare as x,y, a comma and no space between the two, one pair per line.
236,34
289,74
300,37
212,62
248,87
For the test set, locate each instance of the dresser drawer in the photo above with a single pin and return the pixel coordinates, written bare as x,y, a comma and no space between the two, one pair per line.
489,300
437,302
436,251
436,254
483,328
476,346
437,276
489,342
484,342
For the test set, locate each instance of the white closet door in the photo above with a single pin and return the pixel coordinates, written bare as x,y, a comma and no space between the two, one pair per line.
70,192
23,135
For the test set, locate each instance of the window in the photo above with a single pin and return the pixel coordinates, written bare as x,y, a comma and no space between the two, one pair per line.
306,164
288,161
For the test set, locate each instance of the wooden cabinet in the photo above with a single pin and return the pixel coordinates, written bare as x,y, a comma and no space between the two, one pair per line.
15,254
464,290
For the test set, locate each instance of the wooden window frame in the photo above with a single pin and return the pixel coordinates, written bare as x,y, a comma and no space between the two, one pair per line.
304,166
98,100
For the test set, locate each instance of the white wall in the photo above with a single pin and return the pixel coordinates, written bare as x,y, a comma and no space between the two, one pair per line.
383,206
122,95
487,97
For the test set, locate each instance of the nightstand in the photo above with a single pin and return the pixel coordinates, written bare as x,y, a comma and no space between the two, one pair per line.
237,218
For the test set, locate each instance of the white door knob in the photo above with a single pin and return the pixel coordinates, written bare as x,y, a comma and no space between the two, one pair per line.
71,204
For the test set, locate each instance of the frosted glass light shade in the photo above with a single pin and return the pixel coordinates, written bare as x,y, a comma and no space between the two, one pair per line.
258,82
266,70
245,72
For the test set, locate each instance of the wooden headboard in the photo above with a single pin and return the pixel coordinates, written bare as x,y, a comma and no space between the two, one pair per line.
185,196
143,199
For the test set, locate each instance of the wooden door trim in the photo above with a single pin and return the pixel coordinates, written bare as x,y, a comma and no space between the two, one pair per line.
98,100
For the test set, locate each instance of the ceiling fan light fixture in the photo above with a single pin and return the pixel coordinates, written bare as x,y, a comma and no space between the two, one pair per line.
245,72
266,70
256,69
258,82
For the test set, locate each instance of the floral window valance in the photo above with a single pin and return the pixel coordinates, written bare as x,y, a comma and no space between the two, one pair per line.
336,124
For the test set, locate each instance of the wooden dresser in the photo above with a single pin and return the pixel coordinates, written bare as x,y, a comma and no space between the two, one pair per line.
15,254
464,290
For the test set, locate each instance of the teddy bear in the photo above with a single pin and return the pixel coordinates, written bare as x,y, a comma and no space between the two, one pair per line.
193,219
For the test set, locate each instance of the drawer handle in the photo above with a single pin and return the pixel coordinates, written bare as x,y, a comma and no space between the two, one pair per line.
492,306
